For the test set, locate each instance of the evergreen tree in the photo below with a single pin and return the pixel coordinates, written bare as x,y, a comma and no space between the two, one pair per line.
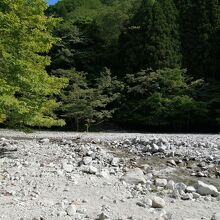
25,87
200,33
152,39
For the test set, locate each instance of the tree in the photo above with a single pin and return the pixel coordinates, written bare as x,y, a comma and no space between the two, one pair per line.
152,39
84,105
164,97
200,34
26,89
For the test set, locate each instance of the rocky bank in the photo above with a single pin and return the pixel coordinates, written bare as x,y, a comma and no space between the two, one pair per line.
54,175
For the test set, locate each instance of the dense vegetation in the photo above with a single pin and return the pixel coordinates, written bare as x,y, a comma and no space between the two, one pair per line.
151,65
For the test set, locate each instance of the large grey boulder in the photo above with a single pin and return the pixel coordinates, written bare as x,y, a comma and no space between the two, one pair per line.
205,189
134,176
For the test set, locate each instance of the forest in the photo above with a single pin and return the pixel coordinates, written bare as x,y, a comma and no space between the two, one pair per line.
87,65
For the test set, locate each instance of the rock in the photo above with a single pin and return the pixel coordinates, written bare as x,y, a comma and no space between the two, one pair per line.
134,176
170,185
115,161
154,148
216,216
205,189
158,202
160,182
67,167
102,216
71,210
87,160
181,187
104,174
92,170
188,196
196,195
171,162
45,141
190,189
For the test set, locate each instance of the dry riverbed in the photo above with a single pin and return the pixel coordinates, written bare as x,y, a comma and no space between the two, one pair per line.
64,176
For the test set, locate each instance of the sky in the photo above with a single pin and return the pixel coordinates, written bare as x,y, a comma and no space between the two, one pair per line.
51,2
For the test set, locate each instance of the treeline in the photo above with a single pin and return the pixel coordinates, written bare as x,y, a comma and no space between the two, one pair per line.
147,65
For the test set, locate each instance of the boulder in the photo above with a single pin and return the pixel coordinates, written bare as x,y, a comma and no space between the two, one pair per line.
205,189
158,202
134,176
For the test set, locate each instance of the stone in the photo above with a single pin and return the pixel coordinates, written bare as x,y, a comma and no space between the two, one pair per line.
180,187
134,176
92,170
158,202
216,216
105,174
102,216
205,189
160,182
67,167
171,162
115,161
45,141
87,160
154,148
71,210
196,195
190,189
170,185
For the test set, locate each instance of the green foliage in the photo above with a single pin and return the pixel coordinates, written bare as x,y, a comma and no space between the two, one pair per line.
163,97
89,34
200,34
152,39
84,105
26,88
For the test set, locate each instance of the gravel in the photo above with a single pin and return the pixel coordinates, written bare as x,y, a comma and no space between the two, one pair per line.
63,175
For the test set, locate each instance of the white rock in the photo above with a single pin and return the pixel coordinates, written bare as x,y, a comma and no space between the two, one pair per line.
158,202
92,170
67,167
160,182
170,185
105,174
216,216
71,210
205,189
190,189
45,141
134,176
115,161
154,148
87,160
